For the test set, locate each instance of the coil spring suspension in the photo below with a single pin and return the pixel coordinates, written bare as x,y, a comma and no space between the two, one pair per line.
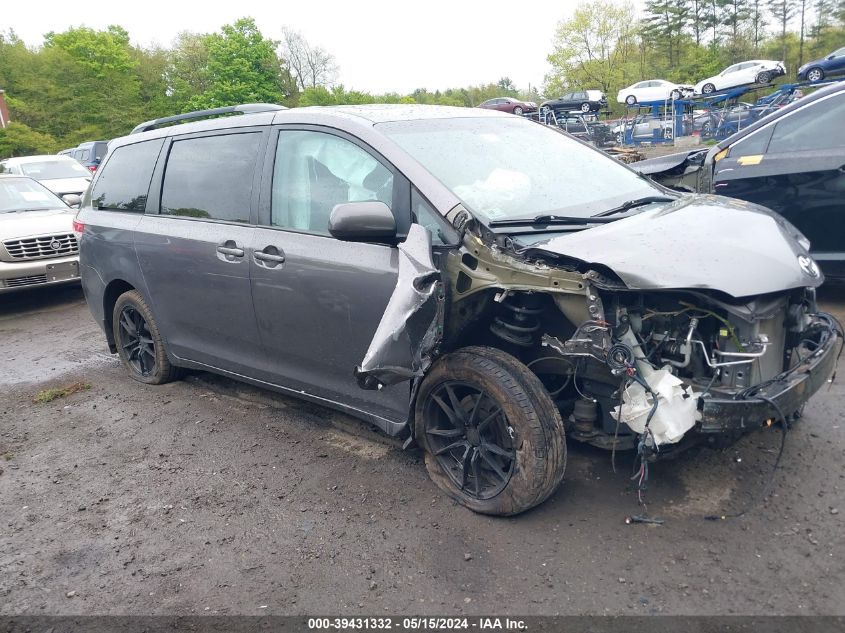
518,321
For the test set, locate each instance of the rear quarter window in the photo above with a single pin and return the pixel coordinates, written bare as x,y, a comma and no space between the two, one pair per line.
124,181
210,177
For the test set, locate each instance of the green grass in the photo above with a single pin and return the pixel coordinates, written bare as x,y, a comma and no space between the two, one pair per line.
48,395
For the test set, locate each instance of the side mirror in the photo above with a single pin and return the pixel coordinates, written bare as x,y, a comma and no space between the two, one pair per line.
366,221
72,200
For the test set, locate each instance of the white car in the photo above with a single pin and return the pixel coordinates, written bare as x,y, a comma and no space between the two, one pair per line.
652,90
754,71
60,174
38,245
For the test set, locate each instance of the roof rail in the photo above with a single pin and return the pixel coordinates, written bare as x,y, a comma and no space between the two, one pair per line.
244,108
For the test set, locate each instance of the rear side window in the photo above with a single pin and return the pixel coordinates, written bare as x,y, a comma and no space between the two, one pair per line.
211,177
124,182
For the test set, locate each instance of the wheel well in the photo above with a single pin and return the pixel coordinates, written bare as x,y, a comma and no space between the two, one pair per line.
113,291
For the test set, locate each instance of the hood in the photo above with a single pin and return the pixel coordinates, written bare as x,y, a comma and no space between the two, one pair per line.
31,223
665,163
61,186
707,242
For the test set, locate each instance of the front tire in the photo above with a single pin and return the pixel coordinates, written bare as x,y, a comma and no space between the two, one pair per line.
630,100
585,107
518,111
139,343
675,95
764,77
493,438
815,74
708,89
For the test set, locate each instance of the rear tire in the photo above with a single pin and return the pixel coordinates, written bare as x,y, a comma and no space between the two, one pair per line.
477,397
139,343
585,107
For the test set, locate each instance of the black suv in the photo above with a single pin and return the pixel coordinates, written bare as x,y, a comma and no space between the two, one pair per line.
582,100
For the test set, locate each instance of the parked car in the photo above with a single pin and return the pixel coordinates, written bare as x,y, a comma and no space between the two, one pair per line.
790,161
462,278
652,90
90,154
586,127
37,243
642,127
818,69
509,104
60,174
583,100
759,71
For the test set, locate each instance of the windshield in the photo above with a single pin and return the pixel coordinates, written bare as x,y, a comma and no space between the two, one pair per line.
50,169
23,194
504,169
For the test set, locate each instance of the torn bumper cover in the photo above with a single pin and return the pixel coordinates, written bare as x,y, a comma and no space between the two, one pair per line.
724,415
412,325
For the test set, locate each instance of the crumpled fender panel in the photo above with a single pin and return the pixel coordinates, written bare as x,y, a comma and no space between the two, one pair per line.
412,325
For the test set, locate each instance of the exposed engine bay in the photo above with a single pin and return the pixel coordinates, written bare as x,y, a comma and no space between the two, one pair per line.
637,368
647,368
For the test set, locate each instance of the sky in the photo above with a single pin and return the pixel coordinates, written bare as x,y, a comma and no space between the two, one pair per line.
380,45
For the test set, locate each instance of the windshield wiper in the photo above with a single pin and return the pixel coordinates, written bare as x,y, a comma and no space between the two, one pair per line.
546,219
599,218
631,204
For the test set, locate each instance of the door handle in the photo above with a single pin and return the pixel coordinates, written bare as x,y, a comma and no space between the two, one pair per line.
269,257
272,256
233,251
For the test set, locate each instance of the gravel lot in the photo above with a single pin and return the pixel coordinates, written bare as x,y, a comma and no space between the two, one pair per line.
206,496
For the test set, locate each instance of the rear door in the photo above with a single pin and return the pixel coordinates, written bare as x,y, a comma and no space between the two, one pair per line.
194,248
796,166
319,300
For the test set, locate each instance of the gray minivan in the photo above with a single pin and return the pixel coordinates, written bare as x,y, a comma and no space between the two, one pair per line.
471,281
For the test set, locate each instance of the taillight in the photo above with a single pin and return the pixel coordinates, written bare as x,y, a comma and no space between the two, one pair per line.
93,168
78,226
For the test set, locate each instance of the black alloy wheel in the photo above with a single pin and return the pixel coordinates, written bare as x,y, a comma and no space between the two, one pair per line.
136,340
470,437
139,343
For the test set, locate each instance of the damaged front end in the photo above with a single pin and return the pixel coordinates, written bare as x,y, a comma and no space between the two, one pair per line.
629,359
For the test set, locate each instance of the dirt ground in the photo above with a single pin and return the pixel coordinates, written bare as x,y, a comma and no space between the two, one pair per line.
207,497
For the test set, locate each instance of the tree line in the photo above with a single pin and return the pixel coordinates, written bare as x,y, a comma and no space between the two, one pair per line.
85,84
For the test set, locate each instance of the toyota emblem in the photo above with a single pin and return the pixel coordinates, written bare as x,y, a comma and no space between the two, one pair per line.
809,267
55,245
